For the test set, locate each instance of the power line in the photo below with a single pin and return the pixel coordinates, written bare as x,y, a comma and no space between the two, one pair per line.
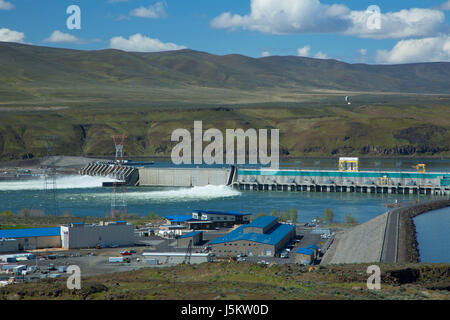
50,189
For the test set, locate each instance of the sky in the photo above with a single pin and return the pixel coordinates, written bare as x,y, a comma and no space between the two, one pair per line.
354,31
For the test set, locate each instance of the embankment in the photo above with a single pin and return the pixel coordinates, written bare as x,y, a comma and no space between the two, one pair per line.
360,244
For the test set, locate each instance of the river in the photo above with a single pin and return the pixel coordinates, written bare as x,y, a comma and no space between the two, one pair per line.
433,235
84,196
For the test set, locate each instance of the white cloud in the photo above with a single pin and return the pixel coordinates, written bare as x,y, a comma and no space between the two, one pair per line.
430,49
4,5
58,36
153,11
286,16
405,23
363,52
304,52
446,5
140,43
321,55
8,35
311,16
265,54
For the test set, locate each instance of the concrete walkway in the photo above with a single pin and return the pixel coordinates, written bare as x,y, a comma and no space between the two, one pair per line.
361,244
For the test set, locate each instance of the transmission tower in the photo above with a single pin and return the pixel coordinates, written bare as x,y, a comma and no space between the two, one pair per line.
118,197
51,200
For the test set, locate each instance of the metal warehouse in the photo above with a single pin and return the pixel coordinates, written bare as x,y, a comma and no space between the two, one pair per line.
34,238
265,236
80,235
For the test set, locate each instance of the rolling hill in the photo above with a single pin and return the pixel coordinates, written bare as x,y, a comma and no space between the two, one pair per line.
44,75
84,97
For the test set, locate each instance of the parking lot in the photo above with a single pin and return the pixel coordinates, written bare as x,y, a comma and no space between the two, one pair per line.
96,261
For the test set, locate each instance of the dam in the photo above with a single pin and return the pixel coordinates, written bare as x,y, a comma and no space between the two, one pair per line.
287,180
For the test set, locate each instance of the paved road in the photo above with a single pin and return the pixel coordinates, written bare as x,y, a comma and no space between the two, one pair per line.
390,246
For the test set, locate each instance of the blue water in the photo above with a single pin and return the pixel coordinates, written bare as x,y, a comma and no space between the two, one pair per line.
433,235
84,196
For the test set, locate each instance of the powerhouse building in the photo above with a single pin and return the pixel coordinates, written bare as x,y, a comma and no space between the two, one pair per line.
265,236
80,235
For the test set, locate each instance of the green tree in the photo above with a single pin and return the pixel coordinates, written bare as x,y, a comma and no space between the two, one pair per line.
6,213
328,215
151,216
274,213
24,212
349,219
294,215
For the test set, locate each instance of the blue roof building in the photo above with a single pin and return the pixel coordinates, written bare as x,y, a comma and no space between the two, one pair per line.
196,237
306,251
34,238
306,256
29,233
176,219
265,236
190,234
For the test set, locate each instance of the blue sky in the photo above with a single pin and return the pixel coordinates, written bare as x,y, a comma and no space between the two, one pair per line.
408,30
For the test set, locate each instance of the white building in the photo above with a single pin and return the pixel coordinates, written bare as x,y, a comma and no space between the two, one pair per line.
80,235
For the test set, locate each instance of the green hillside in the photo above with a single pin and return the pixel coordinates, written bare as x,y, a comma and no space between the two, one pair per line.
84,97
49,76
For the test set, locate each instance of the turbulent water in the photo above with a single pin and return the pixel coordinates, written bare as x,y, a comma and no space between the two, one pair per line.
84,195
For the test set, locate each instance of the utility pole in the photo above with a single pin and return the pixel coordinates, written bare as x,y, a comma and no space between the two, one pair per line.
118,197
51,201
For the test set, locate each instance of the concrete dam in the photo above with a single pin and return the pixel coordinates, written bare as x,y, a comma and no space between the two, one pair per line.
288,180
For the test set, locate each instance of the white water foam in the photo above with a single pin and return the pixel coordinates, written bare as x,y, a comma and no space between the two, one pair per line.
62,182
207,192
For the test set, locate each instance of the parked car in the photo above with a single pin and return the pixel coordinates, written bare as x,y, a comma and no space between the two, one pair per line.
51,267
126,253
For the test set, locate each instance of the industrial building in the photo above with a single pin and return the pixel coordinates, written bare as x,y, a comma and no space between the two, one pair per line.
265,236
80,235
207,220
196,237
220,218
177,257
34,238
304,256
